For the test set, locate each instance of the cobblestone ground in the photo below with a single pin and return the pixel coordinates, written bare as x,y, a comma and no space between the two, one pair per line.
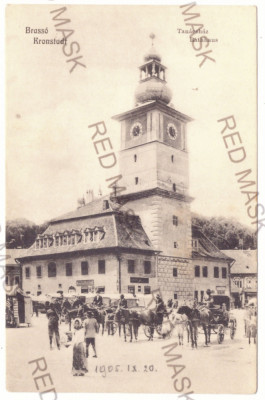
139,366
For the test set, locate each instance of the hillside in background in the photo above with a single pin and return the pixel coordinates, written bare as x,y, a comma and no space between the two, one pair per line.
22,232
225,233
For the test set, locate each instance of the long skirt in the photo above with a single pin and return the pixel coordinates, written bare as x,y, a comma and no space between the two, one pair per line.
79,360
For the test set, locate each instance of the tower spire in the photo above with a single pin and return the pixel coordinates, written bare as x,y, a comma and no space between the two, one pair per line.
152,37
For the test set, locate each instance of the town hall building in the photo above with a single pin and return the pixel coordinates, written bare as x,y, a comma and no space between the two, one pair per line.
99,245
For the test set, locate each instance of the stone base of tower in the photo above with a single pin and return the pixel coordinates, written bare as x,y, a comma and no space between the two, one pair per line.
175,278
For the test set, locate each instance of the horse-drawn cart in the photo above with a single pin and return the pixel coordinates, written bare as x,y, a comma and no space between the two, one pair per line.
222,319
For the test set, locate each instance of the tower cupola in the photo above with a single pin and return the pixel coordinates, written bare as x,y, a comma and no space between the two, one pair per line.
152,85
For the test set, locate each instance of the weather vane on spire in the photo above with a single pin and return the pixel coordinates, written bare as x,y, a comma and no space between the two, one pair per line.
152,36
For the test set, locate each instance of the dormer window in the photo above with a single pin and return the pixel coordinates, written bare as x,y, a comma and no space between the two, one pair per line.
72,239
65,240
57,240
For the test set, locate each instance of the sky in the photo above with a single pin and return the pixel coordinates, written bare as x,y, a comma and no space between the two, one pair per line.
50,158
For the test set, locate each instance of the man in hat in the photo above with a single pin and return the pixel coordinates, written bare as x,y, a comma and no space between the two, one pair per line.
208,299
91,328
98,300
122,305
53,327
160,308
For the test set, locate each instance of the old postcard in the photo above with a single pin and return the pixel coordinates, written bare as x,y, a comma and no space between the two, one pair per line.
131,199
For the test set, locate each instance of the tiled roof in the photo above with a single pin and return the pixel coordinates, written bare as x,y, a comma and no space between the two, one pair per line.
12,254
206,248
93,208
245,261
120,231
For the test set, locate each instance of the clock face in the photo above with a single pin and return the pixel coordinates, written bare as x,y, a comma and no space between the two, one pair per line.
172,131
136,129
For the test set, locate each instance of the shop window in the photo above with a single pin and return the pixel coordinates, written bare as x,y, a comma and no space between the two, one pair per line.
197,271
131,266
131,289
147,267
84,268
147,290
68,269
216,272
101,266
51,270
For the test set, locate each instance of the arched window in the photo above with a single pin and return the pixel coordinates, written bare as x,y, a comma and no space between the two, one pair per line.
51,270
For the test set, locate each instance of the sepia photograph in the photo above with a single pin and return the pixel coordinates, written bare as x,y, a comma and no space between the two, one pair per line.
132,210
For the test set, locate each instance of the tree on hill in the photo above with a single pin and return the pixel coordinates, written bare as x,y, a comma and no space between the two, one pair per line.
225,233
22,232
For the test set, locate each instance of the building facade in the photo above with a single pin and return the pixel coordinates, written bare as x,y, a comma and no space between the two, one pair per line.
244,282
13,274
94,247
211,267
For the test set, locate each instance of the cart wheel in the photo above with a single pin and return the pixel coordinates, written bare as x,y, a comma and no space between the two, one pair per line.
220,334
164,335
147,331
159,329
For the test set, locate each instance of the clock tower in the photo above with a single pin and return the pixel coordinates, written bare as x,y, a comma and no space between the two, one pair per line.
155,172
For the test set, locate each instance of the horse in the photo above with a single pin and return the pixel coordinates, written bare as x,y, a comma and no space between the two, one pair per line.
128,319
152,319
197,318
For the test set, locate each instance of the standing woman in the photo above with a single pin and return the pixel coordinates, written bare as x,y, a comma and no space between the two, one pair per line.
79,367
